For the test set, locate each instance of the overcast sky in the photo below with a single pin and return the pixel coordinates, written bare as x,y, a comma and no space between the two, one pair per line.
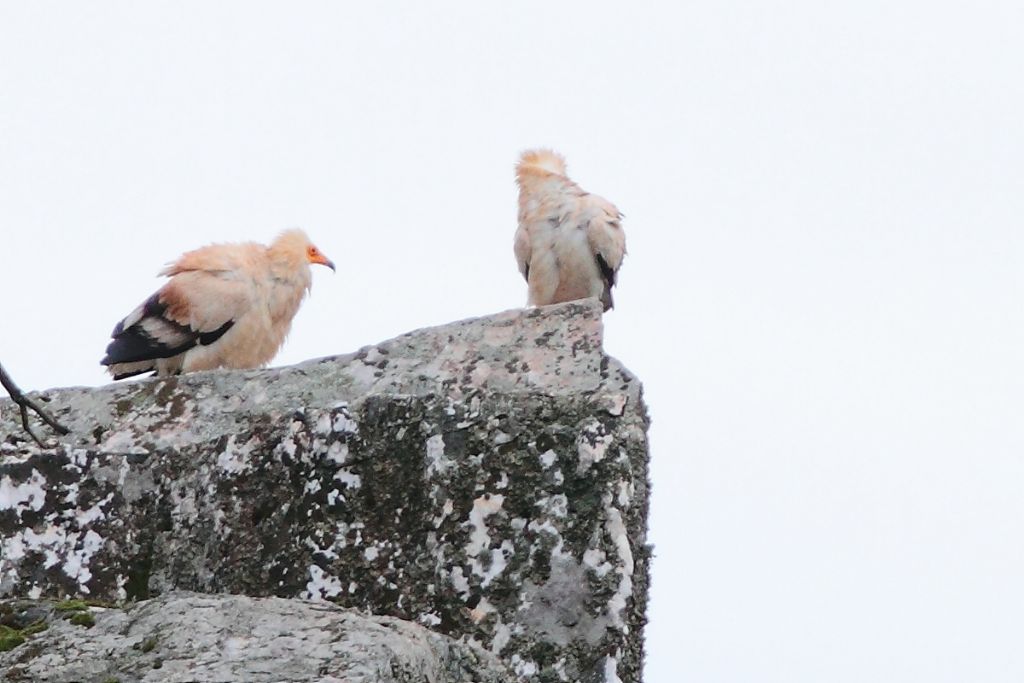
822,295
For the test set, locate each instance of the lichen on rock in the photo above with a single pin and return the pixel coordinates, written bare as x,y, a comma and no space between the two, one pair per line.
485,479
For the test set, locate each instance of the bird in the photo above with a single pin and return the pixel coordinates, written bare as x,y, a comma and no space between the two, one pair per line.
224,306
569,243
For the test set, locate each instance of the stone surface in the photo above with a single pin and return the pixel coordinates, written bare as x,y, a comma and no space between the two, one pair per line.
187,637
486,479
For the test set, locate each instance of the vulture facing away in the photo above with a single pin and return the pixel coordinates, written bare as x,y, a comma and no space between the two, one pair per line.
570,243
225,305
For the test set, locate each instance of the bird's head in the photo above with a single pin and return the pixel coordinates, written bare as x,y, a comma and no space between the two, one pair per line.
295,246
314,255
546,160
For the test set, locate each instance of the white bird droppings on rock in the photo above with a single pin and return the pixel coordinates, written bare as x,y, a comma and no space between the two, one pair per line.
611,669
548,458
616,531
29,495
349,478
321,585
76,565
337,453
437,461
523,667
592,446
86,517
429,619
483,507
344,423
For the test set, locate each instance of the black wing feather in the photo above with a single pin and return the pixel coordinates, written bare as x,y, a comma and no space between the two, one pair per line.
608,275
155,336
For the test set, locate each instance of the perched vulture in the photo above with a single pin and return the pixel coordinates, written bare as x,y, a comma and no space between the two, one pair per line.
225,305
569,244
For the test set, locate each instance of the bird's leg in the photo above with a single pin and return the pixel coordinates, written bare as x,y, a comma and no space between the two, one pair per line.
25,403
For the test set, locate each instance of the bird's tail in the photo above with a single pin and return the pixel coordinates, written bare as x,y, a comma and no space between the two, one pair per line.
124,370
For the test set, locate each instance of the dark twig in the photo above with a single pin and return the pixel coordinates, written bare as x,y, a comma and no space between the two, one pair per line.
25,403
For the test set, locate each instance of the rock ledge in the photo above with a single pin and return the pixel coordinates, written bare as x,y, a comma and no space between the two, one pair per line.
486,480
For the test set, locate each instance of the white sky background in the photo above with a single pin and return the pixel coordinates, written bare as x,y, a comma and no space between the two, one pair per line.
822,296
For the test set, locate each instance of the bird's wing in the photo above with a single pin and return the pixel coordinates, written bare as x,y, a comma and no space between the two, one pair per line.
607,240
523,250
195,308
216,258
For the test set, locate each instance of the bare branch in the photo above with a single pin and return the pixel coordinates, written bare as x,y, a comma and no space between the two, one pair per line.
25,403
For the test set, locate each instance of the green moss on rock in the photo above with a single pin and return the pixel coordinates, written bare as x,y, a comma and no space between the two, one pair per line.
34,628
83,619
71,606
10,638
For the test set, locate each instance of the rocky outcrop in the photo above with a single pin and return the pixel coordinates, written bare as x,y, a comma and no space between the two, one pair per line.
191,638
486,480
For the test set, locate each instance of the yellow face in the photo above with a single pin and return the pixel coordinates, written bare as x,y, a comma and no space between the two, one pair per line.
314,255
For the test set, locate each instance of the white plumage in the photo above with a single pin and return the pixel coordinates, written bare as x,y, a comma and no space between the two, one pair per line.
570,243
225,305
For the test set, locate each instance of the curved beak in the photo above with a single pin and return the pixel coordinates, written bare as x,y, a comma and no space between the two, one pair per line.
324,261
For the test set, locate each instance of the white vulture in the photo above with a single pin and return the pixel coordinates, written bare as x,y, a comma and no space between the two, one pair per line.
225,305
570,243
